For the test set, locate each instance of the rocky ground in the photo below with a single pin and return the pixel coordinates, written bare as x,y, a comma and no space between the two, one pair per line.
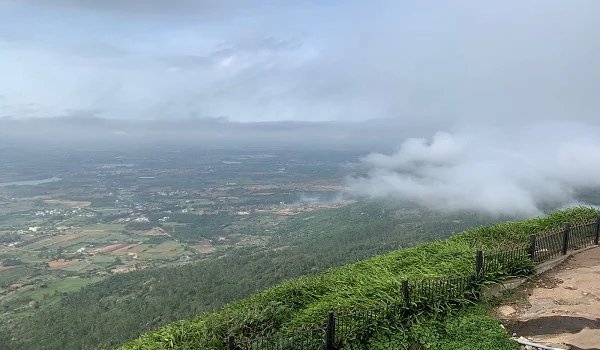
561,307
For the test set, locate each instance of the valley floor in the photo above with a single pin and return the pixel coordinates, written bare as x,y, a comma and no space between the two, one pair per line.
561,306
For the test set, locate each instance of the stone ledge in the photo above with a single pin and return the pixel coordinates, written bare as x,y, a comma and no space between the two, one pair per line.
496,289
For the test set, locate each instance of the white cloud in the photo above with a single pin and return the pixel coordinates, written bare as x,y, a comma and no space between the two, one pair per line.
464,61
512,172
227,61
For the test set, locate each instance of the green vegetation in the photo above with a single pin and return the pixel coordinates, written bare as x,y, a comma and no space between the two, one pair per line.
116,228
303,302
125,305
462,329
66,245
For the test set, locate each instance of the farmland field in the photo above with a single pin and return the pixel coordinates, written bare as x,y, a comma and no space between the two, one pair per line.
113,213
63,286
223,223
104,227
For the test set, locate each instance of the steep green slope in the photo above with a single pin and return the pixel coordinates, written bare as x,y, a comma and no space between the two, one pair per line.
466,329
303,302
121,307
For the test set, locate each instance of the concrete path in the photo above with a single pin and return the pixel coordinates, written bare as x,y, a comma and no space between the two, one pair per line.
560,306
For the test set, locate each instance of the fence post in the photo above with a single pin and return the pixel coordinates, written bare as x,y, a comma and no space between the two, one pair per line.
532,247
478,262
231,342
330,331
405,292
567,230
597,230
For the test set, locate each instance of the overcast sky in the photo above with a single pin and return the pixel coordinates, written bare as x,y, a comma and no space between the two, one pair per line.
258,60
489,105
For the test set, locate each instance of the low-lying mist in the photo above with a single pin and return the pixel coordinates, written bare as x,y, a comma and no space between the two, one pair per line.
321,198
515,171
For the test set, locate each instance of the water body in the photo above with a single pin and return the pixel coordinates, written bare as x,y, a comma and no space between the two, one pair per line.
30,182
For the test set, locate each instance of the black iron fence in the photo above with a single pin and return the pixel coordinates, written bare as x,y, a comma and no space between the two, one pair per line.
304,339
547,245
507,263
429,295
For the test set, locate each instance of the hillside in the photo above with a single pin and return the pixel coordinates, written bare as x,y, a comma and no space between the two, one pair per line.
303,302
122,307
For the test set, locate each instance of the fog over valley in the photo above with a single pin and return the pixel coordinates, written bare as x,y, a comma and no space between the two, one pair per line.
212,174
464,106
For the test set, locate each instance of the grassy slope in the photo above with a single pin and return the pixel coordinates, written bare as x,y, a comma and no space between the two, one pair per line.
303,302
465,329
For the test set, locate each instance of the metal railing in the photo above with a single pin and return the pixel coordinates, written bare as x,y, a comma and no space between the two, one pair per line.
422,296
304,339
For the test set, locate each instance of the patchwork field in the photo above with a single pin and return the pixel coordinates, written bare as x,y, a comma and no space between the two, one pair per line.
165,250
123,250
61,263
74,241
203,248
104,227
153,232
63,286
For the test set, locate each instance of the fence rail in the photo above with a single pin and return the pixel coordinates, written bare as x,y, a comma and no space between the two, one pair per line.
423,295
547,246
443,289
305,339
504,263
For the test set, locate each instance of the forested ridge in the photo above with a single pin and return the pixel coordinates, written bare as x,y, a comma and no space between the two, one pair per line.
123,306
303,303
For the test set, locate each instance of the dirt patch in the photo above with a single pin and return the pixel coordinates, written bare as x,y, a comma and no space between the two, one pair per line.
15,286
61,263
4,268
107,249
68,203
62,239
560,306
206,249
124,249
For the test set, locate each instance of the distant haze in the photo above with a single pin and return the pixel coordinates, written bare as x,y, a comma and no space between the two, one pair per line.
490,105
495,61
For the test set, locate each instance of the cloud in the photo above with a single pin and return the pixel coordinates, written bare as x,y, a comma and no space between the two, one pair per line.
157,6
443,65
514,172
84,127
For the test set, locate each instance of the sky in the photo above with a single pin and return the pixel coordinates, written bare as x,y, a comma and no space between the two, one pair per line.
481,105
329,60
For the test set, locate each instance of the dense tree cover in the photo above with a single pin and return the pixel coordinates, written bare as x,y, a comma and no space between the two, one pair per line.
10,261
9,237
303,302
123,306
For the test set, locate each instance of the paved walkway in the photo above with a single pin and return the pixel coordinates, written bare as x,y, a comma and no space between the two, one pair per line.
560,306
